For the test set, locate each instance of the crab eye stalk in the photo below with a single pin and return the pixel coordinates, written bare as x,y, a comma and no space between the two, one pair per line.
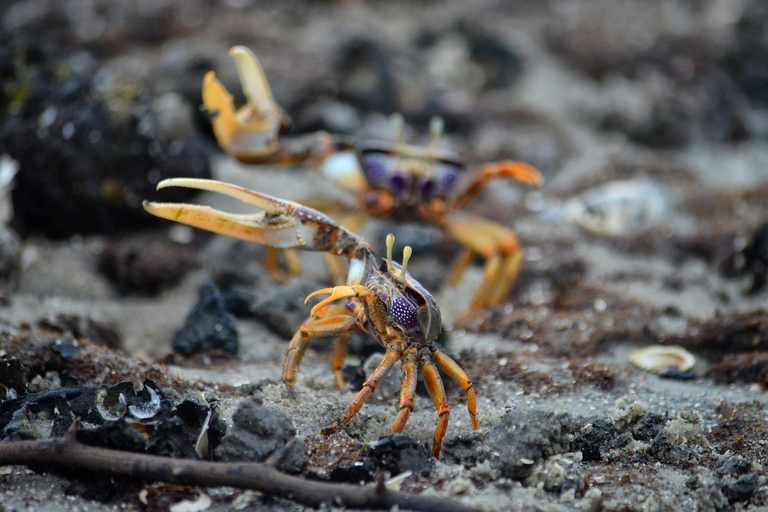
436,127
390,245
406,256
397,123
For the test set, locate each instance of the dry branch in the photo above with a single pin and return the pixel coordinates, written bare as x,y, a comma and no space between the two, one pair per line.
68,453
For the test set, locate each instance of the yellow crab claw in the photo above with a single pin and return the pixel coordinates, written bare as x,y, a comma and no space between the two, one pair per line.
281,224
250,133
336,293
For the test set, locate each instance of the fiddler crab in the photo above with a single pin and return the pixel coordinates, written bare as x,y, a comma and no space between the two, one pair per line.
382,300
394,180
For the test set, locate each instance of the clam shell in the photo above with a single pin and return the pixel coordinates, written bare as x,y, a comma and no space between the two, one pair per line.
662,358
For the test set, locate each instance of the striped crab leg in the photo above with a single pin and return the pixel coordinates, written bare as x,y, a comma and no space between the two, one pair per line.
281,224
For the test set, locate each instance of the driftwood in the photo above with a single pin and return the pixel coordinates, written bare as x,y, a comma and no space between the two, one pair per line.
68,453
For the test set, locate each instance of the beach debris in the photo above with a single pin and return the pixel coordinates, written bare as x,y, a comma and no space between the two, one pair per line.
616,208
662,359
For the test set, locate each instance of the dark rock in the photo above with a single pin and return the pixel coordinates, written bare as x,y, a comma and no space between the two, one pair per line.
80,327
365,76
88,151
67,351
559,474
169,439
146,264
751,261
84,406
523,438
594,437
675,374
45,399
398,453
666,450
257,433
209,326
358,473
63,419
282,309
466,448
741,489
649,426
195,415
239,302
734,466
117,435
12,377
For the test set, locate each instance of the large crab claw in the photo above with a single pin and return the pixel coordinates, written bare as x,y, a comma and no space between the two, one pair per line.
281,224
250,133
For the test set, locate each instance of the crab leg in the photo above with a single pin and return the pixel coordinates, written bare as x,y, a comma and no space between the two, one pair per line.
454,371
282,224
501,249
338,322
394,350
339,353
407,390
517,171
437,392
292,263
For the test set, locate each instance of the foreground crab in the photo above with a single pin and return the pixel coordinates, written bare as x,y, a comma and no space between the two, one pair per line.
383,301
393,180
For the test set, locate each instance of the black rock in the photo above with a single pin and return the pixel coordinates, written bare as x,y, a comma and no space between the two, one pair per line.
359,472
398,453
594,437
281,308
146,263
83,327
88,150
67,351
169,439
209,326
741,489
12,377
117,435
522,438
649,426
257,433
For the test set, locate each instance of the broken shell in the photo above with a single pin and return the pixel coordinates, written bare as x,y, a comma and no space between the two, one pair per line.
662,358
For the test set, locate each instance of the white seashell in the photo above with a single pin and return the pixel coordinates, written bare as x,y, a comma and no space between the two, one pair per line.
662,358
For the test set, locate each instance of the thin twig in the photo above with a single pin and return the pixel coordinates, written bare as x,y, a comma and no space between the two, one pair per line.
67,452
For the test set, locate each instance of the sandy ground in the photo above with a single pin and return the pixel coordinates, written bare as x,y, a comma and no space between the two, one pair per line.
585,300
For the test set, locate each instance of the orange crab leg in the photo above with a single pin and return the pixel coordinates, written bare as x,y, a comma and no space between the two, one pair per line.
501,249
463,261
339,353
337,322
455,372
517,171
292,262
407,390
369,386
436,390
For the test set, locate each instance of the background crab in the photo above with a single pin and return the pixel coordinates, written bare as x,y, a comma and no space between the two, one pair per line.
395,180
